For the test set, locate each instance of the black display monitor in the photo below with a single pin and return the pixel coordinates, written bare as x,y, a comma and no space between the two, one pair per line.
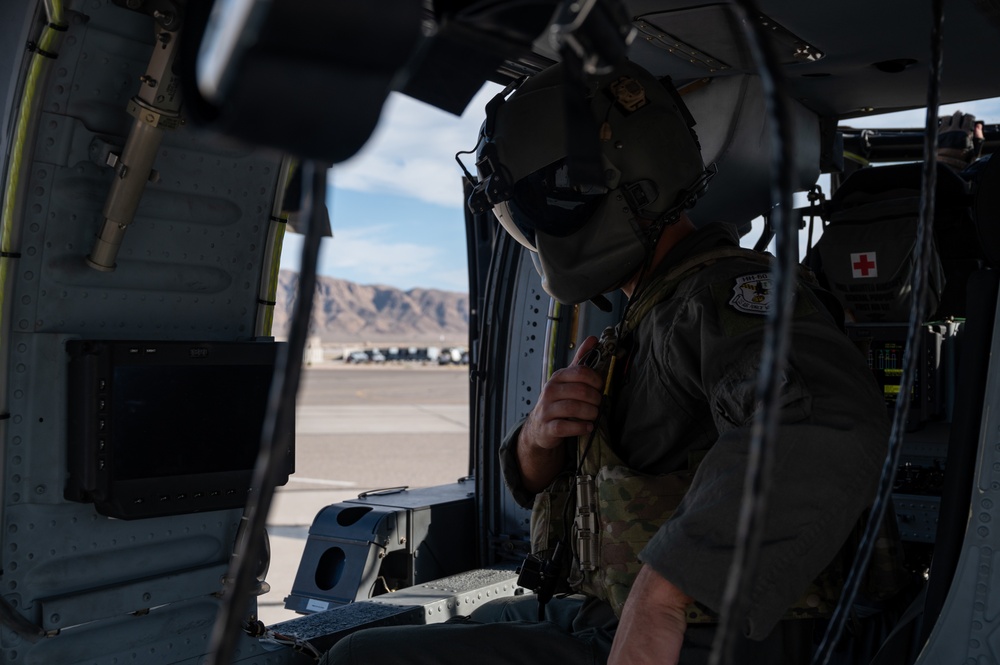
166,428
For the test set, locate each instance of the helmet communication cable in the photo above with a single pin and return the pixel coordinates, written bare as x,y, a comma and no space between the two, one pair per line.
760,456
243,564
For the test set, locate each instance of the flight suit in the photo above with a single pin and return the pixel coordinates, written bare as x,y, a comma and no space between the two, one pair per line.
684,399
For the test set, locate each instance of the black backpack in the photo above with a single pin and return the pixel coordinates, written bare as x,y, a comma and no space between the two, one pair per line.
868,245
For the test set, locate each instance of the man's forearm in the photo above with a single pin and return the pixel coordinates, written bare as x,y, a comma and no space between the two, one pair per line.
539,466
651,630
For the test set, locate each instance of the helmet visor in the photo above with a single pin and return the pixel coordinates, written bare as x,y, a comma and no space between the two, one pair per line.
548,201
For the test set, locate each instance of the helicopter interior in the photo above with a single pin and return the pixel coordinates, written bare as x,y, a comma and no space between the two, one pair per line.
184,118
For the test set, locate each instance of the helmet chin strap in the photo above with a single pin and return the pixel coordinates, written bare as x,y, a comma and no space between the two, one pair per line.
602,303
650,237
650,241
671,216
647,262
685,200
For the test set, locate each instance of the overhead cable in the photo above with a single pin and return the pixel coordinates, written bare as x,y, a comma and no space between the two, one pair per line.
760,456
243,565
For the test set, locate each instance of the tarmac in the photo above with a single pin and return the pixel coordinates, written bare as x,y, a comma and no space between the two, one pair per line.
358,429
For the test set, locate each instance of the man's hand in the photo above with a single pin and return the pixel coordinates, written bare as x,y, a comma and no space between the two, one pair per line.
960,140
567,406
651,630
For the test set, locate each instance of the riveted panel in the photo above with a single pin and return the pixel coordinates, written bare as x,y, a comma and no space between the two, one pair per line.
968,629
189,268
527,343
62,561
190,262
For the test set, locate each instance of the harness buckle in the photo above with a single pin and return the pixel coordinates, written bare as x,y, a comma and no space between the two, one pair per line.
586,523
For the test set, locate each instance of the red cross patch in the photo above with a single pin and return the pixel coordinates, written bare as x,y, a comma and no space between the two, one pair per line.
863,265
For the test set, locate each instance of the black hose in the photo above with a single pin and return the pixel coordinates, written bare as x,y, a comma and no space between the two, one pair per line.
241,576
760,457
13,620
924,241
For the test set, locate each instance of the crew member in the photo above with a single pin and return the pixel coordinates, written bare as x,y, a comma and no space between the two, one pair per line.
658,438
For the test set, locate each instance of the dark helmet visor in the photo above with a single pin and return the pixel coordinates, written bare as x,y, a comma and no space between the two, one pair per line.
547,201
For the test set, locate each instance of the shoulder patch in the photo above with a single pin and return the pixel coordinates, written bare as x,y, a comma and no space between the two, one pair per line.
743,302
752,294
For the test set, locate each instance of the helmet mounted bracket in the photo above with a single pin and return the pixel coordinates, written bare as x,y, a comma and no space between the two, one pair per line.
640,194
492,188
686,200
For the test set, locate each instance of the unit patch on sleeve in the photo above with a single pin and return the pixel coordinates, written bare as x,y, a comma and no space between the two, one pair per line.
744,302
752,294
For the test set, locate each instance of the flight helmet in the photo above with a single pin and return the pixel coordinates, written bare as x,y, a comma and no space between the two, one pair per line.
589,238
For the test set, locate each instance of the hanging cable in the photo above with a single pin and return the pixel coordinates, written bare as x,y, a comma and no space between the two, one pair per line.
924,242
256,628
760,456
280,415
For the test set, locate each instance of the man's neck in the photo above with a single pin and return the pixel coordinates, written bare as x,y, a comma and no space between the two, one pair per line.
671,235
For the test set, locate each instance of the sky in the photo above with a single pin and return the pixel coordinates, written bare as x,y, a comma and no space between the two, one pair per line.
397,208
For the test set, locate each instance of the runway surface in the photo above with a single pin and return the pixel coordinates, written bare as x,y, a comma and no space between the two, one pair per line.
358,429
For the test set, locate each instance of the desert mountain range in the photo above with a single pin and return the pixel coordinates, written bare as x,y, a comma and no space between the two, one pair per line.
349,313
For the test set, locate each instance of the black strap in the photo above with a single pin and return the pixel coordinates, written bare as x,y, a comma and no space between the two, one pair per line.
35,48
10,255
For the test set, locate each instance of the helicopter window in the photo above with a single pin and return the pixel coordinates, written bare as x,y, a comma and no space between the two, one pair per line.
385,400
987,110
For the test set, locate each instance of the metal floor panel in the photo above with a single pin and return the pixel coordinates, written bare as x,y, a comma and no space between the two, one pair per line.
433,602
